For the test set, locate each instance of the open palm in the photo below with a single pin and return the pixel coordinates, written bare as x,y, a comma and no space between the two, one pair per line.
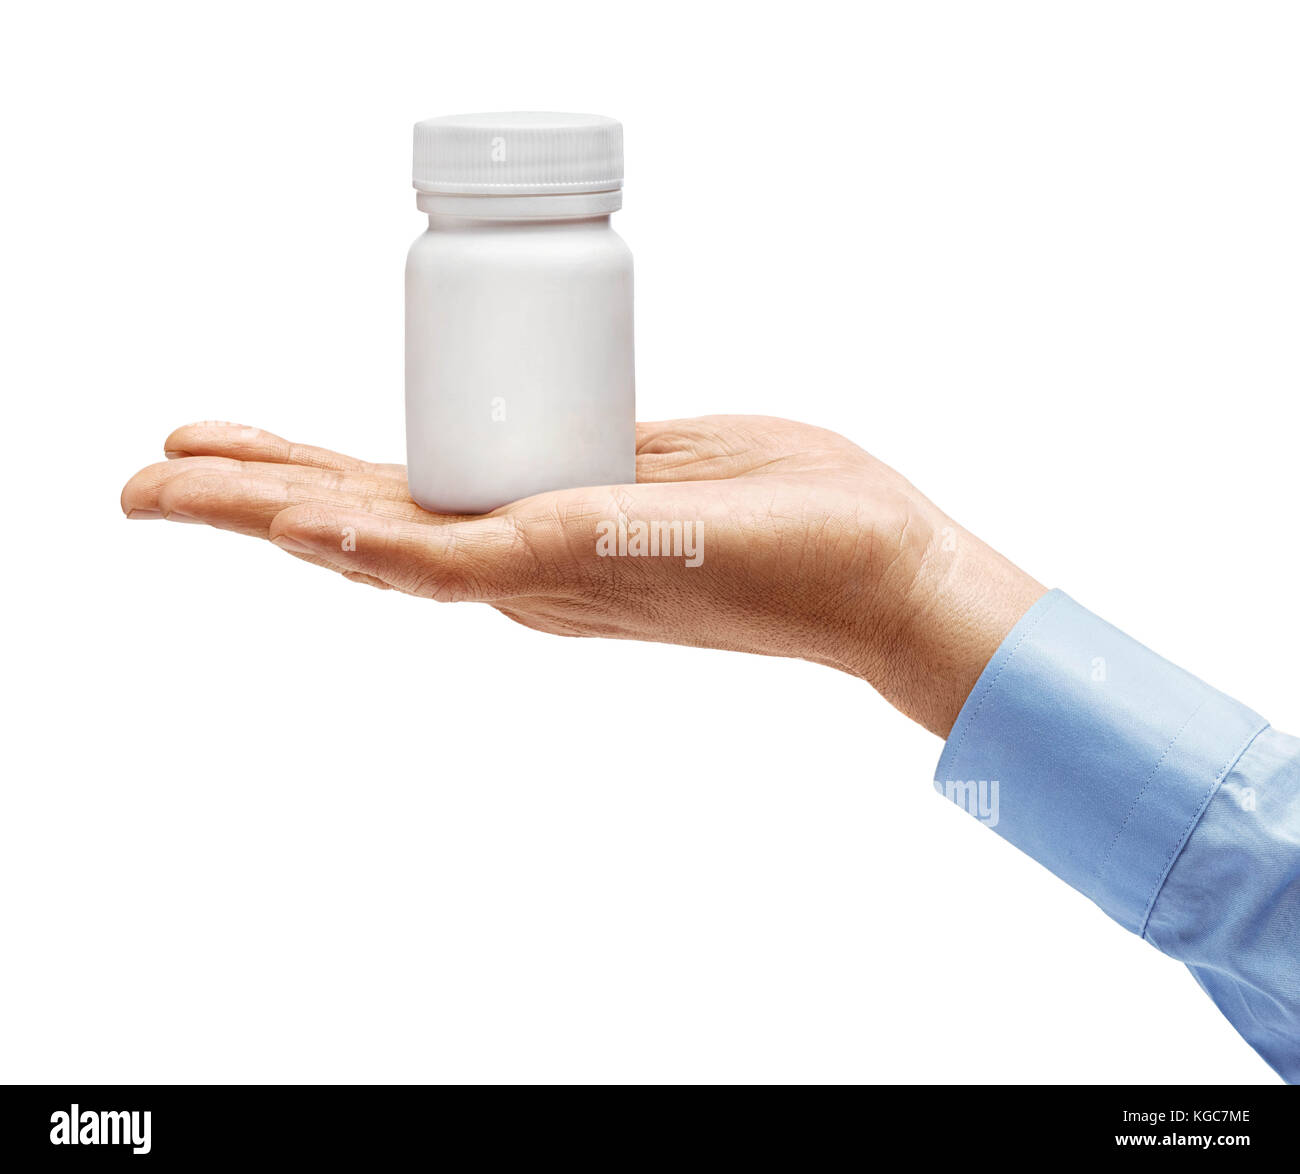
808,546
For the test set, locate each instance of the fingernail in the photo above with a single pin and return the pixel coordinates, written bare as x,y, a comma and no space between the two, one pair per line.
173,454
177,516
143,515
292,545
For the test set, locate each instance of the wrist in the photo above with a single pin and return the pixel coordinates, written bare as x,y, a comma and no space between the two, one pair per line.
945,603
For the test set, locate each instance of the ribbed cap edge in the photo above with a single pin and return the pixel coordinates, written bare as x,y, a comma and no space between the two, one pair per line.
518,154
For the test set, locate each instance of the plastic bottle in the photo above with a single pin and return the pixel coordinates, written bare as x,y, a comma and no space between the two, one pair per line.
519,371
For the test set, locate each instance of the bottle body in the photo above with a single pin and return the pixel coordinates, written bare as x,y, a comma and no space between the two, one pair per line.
519,360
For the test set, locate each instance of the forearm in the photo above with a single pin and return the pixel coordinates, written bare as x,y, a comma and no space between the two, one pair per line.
1169,804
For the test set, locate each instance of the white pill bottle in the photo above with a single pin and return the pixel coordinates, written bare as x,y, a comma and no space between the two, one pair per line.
519,372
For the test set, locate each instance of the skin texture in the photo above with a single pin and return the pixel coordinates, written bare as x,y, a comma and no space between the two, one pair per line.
811,548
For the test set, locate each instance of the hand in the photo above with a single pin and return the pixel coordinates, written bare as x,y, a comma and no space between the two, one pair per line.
806,546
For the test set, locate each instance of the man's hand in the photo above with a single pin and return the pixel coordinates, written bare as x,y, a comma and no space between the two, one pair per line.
811,547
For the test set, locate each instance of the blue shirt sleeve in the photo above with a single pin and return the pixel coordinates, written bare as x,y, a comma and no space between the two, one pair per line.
1172,806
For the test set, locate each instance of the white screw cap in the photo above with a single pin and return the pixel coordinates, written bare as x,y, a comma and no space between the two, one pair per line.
518,154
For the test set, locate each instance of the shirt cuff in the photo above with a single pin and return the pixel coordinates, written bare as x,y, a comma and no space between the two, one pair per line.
1092,754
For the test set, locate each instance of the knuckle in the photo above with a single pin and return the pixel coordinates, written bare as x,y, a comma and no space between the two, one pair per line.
194,489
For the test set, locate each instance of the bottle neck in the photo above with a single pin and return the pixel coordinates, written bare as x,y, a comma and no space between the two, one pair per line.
570,206
469,224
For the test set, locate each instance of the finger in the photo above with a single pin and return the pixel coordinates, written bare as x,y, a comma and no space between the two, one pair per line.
713,448
217,439
648,431
682,450
145,485
248,502
142,493
139,497
481,559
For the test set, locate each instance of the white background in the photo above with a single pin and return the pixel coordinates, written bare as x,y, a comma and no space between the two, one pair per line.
260,823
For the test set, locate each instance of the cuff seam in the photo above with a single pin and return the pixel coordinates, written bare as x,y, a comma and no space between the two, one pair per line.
1181,842
1100,870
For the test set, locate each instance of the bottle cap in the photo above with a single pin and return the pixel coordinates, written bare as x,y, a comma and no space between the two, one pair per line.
518,154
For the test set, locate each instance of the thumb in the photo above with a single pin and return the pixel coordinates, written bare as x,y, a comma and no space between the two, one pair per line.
482,559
